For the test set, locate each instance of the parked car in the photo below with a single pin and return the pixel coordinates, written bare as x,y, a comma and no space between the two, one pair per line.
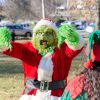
90,29
68,22
80,27
24,25
19,30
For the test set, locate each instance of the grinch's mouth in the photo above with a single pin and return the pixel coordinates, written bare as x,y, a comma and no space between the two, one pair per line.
43,42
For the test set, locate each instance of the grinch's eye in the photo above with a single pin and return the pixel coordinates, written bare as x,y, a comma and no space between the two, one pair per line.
39,32
48,33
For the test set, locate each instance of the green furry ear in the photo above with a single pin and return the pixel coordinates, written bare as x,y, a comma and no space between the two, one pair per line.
68,33
5,37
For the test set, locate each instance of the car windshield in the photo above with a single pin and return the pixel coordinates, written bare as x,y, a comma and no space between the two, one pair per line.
14,27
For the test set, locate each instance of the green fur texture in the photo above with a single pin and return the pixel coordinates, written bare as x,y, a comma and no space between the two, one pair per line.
69,34
5,37
41,34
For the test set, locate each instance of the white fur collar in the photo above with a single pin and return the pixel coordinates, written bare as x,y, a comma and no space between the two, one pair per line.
45,68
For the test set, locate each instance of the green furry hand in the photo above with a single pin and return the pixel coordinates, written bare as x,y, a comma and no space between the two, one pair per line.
69,34
5,38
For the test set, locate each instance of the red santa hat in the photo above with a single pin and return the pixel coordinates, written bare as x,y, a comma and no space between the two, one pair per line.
46,22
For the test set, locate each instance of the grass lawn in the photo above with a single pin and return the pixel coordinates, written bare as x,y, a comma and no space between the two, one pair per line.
11,76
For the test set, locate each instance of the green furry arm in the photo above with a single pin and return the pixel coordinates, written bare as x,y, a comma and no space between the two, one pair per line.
68,34
5,38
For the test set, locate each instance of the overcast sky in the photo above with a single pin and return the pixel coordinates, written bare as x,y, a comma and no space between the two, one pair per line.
2,1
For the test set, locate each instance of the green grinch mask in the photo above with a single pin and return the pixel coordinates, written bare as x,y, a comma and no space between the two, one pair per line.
45,38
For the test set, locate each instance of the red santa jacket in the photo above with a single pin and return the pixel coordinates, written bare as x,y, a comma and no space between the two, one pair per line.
61,58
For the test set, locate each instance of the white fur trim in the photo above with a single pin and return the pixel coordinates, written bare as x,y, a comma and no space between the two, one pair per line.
45,68
40,97
43,95
28,97
79,45
47,23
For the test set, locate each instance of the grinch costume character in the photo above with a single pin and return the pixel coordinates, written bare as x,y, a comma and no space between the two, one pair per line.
86,85
46,59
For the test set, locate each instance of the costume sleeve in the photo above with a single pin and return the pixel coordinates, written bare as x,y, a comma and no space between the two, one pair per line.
70,53
18,51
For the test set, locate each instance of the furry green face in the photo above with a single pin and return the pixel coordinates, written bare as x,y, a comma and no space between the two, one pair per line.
44,38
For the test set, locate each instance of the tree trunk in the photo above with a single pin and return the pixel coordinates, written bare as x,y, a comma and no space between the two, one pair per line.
98,14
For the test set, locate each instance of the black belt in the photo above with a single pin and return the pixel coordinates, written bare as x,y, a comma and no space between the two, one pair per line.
43,85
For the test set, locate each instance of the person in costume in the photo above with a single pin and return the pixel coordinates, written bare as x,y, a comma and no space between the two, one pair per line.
86,85
46,59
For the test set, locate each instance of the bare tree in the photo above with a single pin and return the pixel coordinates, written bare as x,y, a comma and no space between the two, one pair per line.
29,9
18,9
1,6
98,14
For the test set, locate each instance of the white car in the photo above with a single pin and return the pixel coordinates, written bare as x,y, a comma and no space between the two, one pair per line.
68,22
90,29
19,30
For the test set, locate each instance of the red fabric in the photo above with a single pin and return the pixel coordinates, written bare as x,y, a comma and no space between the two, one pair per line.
30,58
88,64
75,86
95,52
95,55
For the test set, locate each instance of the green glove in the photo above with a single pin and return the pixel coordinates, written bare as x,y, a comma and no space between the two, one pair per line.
68,34
5,37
